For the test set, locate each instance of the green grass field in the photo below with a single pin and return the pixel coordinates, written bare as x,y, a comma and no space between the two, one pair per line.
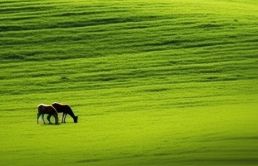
154,82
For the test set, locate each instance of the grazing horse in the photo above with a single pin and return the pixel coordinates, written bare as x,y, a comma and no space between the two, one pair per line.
65,109
47,109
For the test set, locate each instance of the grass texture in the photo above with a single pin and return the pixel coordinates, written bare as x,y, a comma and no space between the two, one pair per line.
154,82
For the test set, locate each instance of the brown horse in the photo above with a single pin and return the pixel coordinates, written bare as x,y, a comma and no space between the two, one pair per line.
47,109
65,109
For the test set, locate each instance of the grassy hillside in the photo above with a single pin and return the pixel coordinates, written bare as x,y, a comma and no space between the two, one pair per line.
157,82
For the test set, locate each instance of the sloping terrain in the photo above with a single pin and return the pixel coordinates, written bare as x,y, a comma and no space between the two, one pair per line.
168,82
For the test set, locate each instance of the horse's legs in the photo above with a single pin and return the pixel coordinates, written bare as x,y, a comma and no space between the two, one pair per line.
43,118
65,117
48,118
62,118
56,118
49,115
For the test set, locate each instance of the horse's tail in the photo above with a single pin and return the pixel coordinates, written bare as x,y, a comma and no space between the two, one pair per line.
39,112
38,115
39,108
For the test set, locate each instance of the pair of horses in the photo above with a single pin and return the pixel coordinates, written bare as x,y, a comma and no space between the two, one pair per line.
53,110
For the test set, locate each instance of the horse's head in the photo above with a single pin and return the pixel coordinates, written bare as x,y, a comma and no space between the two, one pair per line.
76,119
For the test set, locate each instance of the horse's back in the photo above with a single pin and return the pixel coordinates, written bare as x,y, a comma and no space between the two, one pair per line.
46,109
61,107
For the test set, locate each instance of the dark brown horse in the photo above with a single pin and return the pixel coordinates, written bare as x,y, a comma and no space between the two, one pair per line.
65,109
47,109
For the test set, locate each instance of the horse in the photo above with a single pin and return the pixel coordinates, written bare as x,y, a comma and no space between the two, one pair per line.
47,109
65,109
